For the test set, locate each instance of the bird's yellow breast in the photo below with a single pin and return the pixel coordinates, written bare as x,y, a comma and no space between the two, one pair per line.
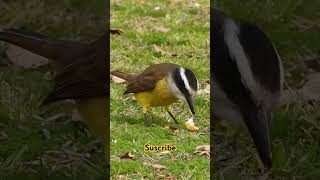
94,112
159,96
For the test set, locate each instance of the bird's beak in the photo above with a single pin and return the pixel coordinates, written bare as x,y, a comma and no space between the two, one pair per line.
190,100
258,126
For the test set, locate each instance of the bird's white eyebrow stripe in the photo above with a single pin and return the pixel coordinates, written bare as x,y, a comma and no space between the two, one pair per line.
238,54
185,80
280,68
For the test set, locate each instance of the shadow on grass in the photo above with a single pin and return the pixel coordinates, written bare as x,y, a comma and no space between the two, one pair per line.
153,120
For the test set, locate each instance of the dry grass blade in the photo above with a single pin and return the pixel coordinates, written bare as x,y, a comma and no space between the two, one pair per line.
127,156
155,166
203,150
117,80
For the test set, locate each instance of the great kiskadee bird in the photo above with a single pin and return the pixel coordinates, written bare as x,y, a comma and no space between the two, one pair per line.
81,73
161,85
247,78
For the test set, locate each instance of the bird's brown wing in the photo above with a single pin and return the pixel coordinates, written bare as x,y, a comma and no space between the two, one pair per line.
86,77
142,84
82,68
147,80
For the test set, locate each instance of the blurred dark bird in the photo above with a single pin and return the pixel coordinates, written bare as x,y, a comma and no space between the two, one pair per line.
247,78
81,73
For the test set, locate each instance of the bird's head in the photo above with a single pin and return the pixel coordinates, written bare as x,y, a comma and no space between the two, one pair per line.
183,84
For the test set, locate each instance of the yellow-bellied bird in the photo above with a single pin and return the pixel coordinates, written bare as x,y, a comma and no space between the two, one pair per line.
161,85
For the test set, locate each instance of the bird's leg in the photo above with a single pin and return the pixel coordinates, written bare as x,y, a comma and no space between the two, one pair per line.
168,110
145,110
173,117
146,124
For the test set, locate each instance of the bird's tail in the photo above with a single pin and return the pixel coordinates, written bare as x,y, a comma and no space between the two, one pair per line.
57,50
116,31
124,76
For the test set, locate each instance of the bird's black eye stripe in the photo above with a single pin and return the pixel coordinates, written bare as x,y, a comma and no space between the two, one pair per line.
191,79
266,67
179,82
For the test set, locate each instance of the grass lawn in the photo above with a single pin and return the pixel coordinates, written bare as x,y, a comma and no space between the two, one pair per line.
159,31
43,142
294,28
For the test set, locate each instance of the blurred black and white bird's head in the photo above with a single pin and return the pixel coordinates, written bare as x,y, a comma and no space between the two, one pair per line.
247,78
183,84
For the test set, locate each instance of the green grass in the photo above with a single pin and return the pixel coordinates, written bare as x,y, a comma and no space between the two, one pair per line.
143,42
43,142
295,130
